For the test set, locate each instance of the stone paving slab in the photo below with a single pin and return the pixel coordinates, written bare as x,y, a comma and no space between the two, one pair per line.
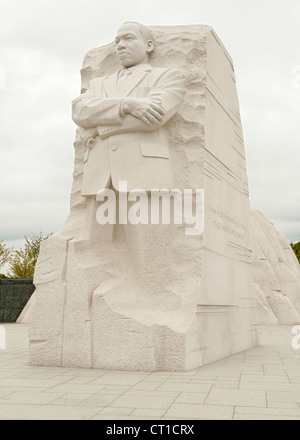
261,383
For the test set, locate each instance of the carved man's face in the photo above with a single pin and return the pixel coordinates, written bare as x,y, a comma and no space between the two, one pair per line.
131,47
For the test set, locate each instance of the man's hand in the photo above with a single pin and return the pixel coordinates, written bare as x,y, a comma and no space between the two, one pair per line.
88,133
147,110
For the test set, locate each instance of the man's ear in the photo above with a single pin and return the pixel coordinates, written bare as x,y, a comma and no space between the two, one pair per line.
150,46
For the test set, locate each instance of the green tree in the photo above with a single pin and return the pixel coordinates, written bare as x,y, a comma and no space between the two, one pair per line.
5,255
296,249
23,261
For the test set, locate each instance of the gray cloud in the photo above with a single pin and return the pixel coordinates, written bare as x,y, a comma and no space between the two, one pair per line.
42,47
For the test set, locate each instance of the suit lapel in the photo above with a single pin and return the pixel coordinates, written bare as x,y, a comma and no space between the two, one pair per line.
110,83
134,79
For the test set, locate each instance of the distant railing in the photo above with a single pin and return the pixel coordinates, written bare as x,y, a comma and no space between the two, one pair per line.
14,294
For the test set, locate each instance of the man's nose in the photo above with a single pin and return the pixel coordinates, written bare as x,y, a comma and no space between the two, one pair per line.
121,45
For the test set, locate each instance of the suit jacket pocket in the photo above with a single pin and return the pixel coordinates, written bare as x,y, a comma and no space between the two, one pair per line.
154,149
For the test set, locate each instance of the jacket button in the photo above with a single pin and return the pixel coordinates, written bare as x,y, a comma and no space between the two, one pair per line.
114,148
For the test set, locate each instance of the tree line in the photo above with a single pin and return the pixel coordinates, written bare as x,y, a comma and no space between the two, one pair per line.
21,263
296,249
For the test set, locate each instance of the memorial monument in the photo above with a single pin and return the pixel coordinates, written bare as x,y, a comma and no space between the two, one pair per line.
276,273
152,270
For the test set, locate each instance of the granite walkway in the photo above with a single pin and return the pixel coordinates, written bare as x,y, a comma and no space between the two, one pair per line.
261,383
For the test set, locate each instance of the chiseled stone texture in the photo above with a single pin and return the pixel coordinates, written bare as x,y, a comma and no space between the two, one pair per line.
276,273
79,314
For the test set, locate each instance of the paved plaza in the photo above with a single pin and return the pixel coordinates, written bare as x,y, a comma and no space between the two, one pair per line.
261,383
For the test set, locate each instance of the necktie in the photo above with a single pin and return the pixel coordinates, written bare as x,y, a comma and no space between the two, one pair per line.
122,77
124,72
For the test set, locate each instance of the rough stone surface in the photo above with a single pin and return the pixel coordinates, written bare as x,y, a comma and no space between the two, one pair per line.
87,311
276,273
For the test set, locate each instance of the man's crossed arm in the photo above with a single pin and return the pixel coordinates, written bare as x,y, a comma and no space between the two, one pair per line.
131,114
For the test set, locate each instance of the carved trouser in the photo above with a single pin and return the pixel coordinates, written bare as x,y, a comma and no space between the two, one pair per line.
147,248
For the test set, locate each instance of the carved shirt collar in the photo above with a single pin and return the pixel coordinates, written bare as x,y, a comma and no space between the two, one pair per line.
135,69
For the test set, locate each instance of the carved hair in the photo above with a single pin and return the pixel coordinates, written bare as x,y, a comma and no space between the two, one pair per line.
144,30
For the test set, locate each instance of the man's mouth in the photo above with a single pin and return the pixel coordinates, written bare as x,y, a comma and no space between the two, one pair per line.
123,54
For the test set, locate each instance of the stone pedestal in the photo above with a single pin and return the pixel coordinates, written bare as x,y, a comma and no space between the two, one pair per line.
87,310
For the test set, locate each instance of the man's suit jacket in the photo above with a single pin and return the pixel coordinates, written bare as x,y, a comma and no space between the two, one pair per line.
126,148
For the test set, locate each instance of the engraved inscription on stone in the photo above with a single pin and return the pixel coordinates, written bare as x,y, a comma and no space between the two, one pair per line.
228,224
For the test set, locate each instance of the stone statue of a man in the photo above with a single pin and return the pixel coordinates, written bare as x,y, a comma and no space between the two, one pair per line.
129,109
126,113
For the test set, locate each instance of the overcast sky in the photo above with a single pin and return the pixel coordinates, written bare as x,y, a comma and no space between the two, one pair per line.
42,45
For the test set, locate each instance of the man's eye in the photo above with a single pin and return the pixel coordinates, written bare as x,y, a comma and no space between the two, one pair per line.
129,38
